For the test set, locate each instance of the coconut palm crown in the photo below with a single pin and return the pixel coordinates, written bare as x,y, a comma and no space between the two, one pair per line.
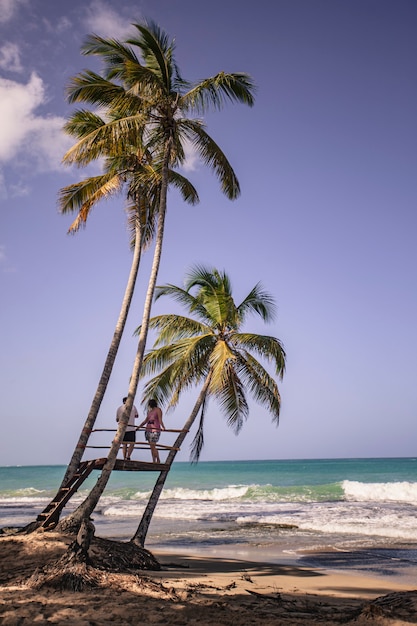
147,90
211,346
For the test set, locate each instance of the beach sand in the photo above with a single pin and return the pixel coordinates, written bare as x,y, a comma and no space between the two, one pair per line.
195,590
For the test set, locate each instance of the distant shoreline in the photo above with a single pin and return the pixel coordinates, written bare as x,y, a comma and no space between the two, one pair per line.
295,459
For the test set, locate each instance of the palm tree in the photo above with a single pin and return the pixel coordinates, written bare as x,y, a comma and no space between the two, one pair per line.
152,100
210,349
126,167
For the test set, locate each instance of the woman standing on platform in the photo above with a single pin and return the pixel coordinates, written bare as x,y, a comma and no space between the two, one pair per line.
154,425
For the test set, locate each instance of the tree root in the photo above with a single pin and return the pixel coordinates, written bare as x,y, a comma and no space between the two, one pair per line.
400,604
83,564
65,577
117,556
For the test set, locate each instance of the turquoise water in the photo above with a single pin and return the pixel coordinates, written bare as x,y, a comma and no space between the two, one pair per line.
275,510
315,479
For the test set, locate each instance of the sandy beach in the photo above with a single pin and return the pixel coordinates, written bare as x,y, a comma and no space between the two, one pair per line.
192,589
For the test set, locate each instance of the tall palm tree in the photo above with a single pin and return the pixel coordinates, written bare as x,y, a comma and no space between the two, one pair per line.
152,100
129,168
82,197
210,349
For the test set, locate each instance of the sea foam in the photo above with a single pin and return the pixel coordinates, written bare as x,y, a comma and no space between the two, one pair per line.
380,492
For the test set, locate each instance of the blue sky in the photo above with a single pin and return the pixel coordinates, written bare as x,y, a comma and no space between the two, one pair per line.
326,221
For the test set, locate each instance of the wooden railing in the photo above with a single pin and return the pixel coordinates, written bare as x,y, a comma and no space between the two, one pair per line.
138,445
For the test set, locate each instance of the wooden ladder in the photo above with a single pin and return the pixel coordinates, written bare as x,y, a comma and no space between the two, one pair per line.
50,515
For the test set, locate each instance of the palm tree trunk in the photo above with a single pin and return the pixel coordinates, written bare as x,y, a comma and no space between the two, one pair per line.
110,359
86,508
142,530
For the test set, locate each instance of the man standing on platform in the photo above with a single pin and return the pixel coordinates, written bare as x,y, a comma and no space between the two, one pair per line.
130,434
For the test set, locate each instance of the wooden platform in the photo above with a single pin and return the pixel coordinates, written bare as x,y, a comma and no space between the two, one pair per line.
50,515
133,466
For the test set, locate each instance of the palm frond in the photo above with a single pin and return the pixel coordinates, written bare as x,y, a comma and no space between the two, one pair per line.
84,195
217,90
231,397
83,122
261,386
258,301
88,86
220,360
153,41
160,388
214,296
99,142
143,83
156,50
211,155
208,278
221,309
269,348
192,304
113,52
145,180
179,295
172,328
180,366
185,187
198,441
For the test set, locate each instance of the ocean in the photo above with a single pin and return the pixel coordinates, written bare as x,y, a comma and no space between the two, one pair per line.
338,514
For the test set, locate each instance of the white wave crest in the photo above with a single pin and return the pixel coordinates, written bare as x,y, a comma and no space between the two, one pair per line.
28,492
380,492
227,493
123,510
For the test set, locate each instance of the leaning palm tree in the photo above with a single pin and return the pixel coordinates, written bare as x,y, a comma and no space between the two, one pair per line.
82,197
129,168
153,100
210,349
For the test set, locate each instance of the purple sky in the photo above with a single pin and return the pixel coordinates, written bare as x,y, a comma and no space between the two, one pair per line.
326,221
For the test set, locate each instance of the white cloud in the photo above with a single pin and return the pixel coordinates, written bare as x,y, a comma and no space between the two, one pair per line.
102,20
19,189
192,159
10,57
51,141
59,26
8,9
27,138
17,103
